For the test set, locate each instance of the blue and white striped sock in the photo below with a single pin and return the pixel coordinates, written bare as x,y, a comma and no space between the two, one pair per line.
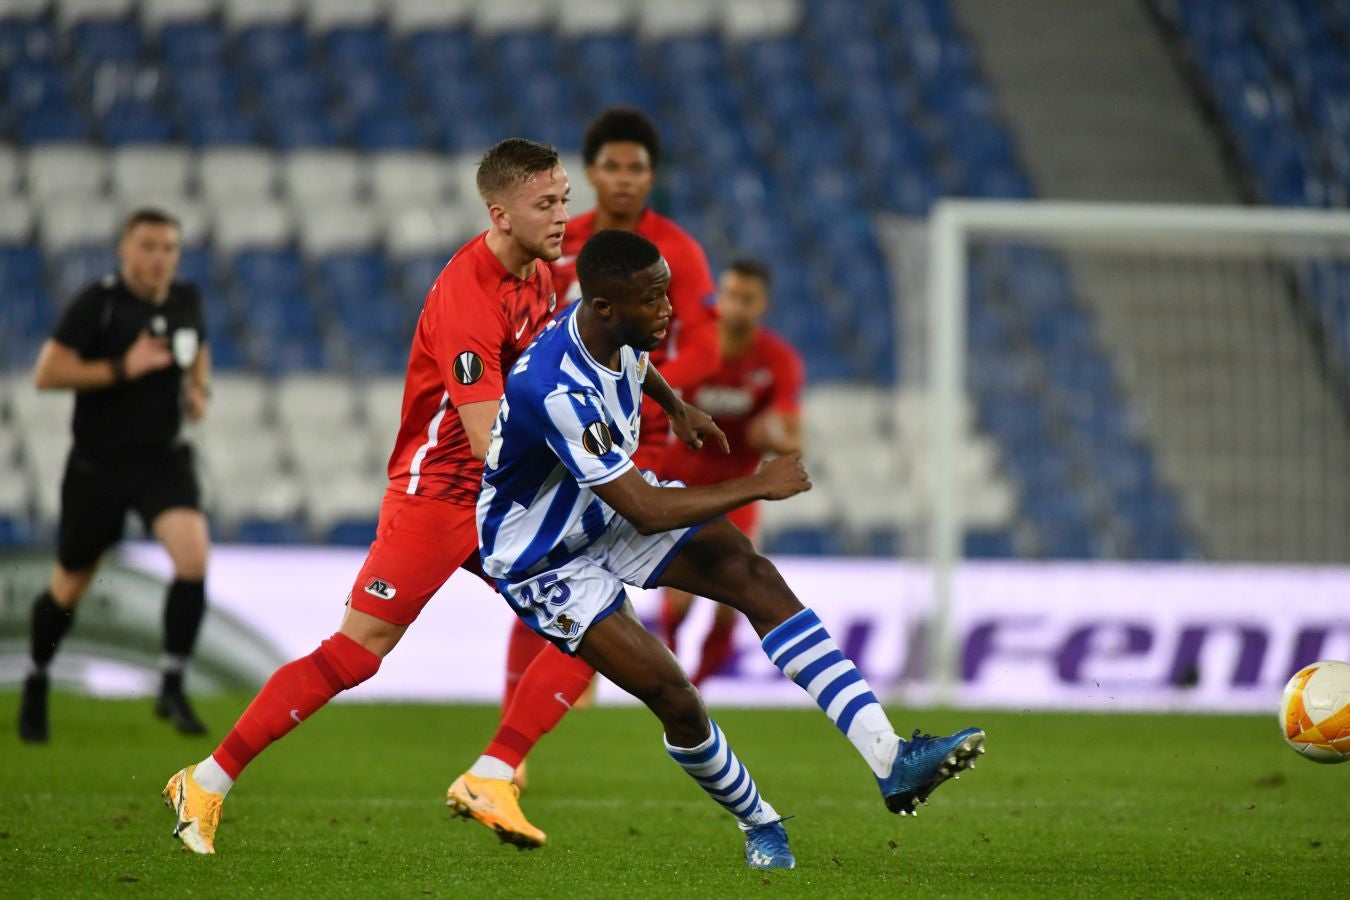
715,767
804,651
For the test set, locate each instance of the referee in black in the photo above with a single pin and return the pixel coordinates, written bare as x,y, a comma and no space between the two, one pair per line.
132,346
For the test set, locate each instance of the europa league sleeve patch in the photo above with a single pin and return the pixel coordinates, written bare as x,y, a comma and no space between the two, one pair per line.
596,439
468,367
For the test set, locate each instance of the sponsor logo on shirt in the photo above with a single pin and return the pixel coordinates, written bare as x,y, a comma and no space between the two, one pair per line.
468,367
378,587
596,439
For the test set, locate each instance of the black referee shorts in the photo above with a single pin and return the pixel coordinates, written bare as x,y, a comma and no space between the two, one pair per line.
96,495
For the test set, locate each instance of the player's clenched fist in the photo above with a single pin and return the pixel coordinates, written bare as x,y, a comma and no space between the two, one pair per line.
784,476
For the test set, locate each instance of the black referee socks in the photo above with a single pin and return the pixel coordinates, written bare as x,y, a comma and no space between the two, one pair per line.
184,608
50,624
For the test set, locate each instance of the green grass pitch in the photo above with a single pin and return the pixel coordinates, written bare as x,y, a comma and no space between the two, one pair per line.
352,805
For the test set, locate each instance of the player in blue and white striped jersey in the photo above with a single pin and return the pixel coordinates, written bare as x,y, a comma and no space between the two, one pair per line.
565,521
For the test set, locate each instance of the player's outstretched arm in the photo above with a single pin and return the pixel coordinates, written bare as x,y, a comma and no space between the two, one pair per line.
689,423
654,509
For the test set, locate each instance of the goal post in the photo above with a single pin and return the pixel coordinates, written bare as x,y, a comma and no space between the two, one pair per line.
1224,330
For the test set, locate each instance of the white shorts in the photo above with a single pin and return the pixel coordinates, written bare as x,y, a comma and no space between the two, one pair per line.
563,603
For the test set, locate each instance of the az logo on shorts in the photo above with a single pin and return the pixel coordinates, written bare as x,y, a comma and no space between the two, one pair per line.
378,587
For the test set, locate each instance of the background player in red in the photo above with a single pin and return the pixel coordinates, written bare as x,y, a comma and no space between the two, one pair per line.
755,397
621,149
484,309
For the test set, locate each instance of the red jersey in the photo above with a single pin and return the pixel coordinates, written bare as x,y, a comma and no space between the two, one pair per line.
767,376
477,320
691,350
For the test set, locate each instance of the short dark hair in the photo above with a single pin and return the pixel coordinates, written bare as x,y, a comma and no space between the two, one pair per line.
148,215
752,268
621,123
611,257
510,162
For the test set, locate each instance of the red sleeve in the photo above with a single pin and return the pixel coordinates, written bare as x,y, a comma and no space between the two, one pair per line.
788,377
467,330
698,351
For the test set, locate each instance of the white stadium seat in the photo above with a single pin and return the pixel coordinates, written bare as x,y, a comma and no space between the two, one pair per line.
382,405
77,223
237,174
141,170
425,230
318,401
249,225
743,19
658,19
66,170
325,15
583,195
241,14
238,402
496,16
595,17
312,176
333,227
339,497
71,12
427,15
410,176
16,220
155,14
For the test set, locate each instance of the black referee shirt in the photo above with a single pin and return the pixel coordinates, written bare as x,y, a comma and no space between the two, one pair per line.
144,414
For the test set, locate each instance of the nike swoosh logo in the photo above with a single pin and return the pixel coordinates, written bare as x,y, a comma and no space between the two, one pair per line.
468,790
521,330
561,699
295,714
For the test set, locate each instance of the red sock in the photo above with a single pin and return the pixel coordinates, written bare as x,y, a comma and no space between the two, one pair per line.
521,649
716,650
546,691
671,619
294,692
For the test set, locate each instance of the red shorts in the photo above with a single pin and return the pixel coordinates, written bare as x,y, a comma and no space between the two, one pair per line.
419,544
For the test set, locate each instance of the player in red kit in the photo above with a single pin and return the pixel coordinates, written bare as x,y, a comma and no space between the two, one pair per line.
484,309
621,149
755,397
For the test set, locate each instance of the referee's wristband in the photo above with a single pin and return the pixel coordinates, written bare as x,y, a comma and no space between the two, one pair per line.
119,370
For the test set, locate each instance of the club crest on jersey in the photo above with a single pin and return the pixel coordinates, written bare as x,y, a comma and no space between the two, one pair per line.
567,625
378,587
468,367
552,300
596,439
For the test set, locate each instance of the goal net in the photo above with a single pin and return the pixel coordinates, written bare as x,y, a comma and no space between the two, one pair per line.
1160,383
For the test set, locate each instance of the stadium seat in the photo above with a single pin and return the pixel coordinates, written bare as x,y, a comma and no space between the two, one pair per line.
503,16
257,224
323,16
71,222
410,16
59,171
336,226
72,13
594,17
322,176
237,175
358,532
139,171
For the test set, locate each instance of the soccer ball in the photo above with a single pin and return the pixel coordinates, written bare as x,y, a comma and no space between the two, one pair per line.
1315,712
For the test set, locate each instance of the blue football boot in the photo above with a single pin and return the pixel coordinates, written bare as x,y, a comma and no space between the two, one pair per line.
924,762
766,847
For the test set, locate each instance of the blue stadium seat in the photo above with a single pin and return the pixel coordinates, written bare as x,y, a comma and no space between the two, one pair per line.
16,531
25,40
200,88
357,48
192,43
219,128
268,47
440,51
77,267
988,545
97,40
352,533
269,272
805,542
270,531
135,123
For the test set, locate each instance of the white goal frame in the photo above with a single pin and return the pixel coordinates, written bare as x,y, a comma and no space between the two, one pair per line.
951,226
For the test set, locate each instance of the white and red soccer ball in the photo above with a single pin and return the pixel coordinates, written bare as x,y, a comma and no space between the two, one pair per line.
1315,711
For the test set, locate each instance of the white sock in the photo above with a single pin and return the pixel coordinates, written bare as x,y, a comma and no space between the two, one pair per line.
170,664
804,651
492,767
718,771
212,777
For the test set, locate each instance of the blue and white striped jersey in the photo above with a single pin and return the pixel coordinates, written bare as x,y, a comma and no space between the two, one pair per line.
566,423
